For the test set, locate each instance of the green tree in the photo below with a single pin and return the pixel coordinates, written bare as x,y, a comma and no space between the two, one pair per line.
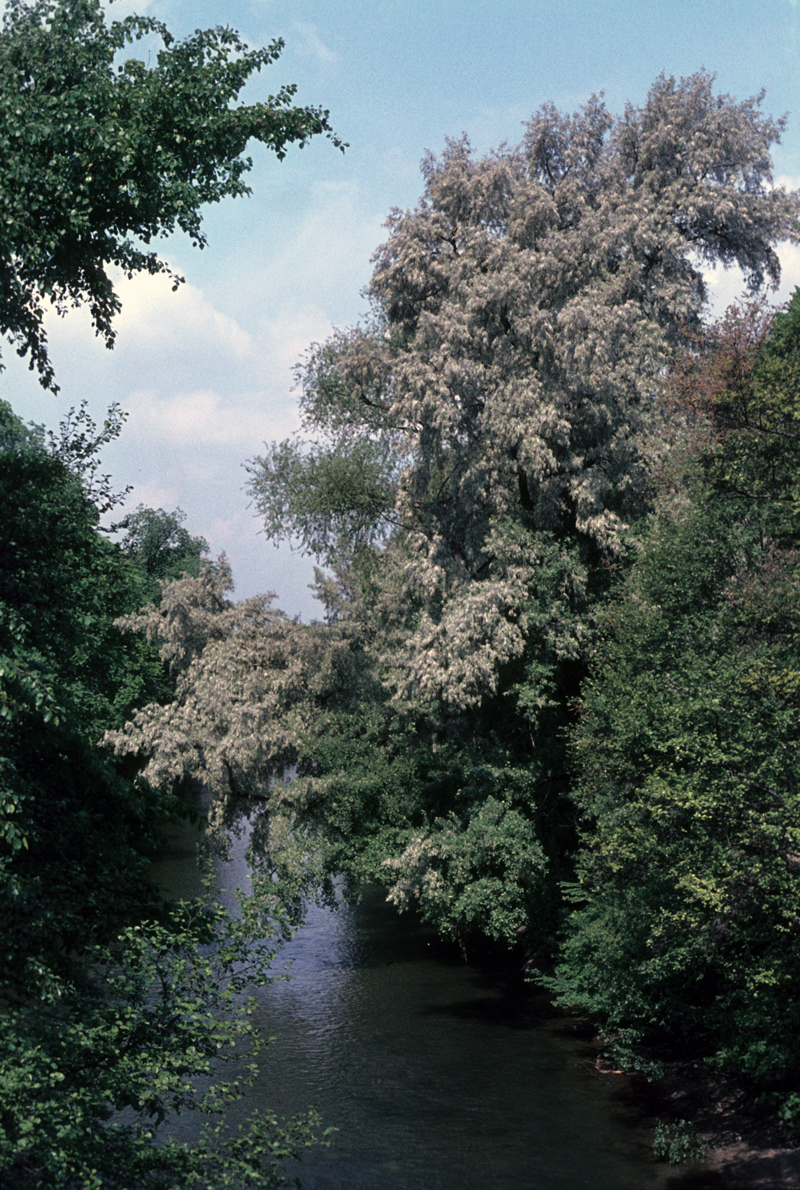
683,941
103,153
158,544
113,1000
63,580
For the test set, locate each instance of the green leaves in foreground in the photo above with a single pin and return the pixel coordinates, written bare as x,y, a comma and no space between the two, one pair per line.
94,1067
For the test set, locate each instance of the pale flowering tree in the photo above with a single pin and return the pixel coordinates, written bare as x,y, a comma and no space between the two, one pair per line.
474,457
506,389
247,677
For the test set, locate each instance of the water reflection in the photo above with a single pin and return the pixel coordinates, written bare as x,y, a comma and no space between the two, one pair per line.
438,1075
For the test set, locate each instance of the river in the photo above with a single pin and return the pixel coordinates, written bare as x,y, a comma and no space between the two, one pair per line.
438,1075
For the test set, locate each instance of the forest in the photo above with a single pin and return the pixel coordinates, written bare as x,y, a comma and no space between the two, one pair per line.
552,702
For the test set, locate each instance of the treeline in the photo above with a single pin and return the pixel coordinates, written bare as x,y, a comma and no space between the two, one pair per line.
554,694
682,939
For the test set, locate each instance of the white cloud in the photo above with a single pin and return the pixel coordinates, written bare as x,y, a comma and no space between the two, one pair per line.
156,319
204,419
325,261
309,43
152,495
118,9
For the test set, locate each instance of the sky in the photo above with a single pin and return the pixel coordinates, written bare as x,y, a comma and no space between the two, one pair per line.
206,374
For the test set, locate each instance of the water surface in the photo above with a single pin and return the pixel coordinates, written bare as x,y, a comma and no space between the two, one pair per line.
438,1075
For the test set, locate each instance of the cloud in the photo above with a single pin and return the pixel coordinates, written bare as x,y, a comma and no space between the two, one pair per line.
309,44
166,342
204,419
322,264
119,9
152,495
153,315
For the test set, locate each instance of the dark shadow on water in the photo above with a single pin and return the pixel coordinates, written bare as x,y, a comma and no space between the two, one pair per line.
439,1075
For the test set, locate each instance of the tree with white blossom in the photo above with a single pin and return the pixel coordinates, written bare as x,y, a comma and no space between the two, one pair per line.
475,460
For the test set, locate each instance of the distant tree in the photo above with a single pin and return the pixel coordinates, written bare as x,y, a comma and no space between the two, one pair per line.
161,547
102,153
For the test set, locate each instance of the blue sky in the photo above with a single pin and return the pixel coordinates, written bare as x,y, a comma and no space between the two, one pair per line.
206,374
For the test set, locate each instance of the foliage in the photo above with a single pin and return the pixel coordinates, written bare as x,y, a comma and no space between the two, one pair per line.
78,445
503,407
62,582
472,877
158,544
104,153
503,410
116,1006
94,1066
476,453
683,938
332,502
678,1142
523,316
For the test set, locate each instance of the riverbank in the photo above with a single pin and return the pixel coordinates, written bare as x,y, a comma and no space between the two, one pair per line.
742,1167
747,1148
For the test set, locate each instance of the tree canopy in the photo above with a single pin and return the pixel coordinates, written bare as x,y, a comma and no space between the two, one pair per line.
478,460
684,934
104,152
499,400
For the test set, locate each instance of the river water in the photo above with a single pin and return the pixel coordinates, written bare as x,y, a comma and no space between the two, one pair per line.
438,1075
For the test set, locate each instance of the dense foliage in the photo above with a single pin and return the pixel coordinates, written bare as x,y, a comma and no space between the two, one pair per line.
534,466
684,940
116,1006
502,410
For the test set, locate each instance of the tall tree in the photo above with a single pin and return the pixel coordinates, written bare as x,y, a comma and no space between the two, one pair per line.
103,153
503,408
524,314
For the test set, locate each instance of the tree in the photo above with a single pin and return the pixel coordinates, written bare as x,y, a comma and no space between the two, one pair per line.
683,939
504,408
524,315
159,545
114,1001
102,153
